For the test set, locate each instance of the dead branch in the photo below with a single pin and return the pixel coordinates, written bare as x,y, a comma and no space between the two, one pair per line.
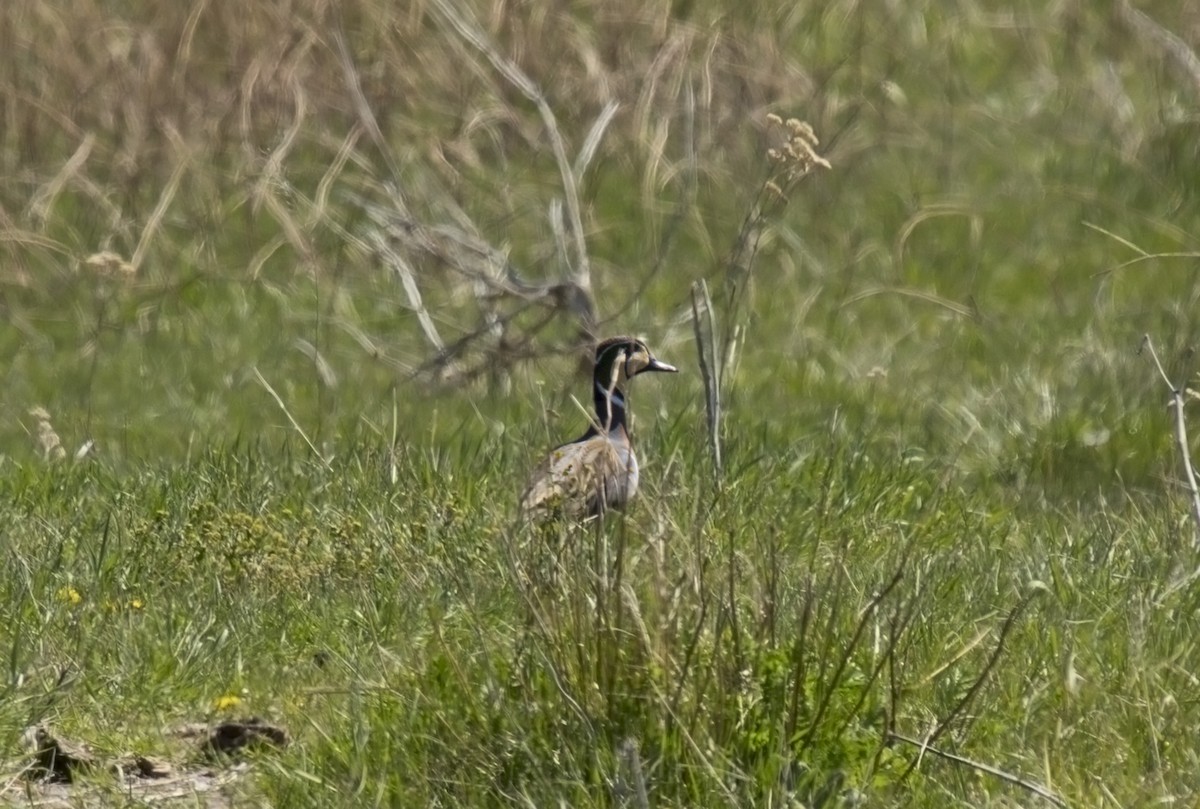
580,273
449,240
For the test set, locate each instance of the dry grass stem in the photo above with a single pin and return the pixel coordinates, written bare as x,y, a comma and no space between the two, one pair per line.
295,424
631,790
404,272
156,216
1181,436
1009,623
1149,31
591,144
710,372
43,200
1016,780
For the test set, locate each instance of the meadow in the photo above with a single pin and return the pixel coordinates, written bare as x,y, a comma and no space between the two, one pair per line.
294,295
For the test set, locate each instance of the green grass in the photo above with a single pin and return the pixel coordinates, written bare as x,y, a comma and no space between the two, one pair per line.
950,503
750,652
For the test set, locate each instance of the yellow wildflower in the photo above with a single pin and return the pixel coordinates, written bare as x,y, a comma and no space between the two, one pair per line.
69,595
226,702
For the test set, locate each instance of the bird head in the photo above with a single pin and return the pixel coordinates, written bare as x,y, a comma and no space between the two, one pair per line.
619,359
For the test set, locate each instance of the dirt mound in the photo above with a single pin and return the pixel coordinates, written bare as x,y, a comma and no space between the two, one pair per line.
67,773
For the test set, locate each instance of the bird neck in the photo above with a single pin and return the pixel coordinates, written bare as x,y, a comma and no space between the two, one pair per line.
610,407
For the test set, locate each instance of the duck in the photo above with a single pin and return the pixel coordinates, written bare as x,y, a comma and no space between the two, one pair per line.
598,471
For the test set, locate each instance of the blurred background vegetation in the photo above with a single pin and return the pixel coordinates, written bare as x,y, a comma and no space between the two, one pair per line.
189,190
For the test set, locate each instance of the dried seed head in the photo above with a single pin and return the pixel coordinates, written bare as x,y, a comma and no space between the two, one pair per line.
48,440
108,264
802,129
794,149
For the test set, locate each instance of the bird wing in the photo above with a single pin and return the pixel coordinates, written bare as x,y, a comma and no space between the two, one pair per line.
574,480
